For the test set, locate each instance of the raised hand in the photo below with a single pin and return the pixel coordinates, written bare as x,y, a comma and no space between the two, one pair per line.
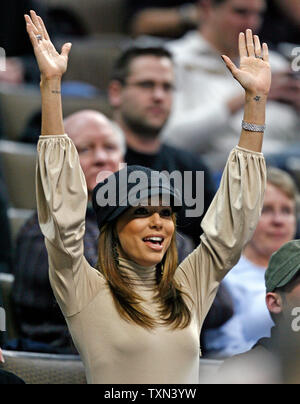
50,62
254,73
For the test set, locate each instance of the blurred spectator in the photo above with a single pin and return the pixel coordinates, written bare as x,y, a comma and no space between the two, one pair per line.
207,111
285,16
288,160
274,359
245,282
20,63
42,326
165,18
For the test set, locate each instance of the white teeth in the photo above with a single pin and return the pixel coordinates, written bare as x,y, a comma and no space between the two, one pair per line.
156,239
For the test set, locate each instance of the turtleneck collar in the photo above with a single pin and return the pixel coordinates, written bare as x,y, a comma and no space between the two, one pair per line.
138,275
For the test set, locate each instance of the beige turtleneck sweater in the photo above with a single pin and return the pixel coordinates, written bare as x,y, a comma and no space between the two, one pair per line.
112,349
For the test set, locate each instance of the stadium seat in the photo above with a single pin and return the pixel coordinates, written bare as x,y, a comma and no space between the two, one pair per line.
35,368
91,60
96,16
18,163
74,104
17,217
18,105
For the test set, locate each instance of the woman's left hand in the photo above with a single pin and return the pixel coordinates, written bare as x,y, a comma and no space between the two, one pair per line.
254,73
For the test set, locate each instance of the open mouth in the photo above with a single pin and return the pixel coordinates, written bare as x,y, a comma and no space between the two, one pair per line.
156,243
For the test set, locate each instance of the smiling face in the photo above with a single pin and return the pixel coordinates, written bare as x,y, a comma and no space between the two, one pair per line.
277,224
145,234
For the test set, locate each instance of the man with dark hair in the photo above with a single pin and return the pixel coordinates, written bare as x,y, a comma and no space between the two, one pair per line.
121,68
279,354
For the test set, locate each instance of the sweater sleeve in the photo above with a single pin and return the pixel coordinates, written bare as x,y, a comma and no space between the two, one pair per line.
62,202
228,225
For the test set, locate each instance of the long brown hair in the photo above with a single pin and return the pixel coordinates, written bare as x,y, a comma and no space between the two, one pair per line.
173,309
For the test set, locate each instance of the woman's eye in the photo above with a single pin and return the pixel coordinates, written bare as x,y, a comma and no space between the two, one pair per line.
166,213
141,211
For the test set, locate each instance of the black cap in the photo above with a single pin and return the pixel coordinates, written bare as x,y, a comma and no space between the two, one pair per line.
132,186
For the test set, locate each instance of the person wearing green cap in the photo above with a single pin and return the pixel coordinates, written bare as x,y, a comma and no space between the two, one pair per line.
275,359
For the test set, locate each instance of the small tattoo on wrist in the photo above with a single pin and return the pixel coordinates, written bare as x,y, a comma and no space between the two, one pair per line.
55,92
257,98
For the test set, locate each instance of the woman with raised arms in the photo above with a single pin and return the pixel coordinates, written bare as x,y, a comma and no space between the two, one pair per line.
137,317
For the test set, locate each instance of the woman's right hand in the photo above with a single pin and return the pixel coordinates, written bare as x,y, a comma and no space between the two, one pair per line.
50,62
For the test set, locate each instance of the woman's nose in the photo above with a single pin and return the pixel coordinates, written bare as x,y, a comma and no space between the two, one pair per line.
155,220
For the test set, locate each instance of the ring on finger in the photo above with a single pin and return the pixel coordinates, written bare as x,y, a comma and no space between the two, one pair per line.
39,37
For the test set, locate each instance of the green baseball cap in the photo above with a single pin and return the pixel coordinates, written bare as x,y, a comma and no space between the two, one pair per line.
283,266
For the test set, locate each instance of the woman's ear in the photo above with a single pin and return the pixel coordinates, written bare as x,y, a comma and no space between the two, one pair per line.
114,93
274,303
